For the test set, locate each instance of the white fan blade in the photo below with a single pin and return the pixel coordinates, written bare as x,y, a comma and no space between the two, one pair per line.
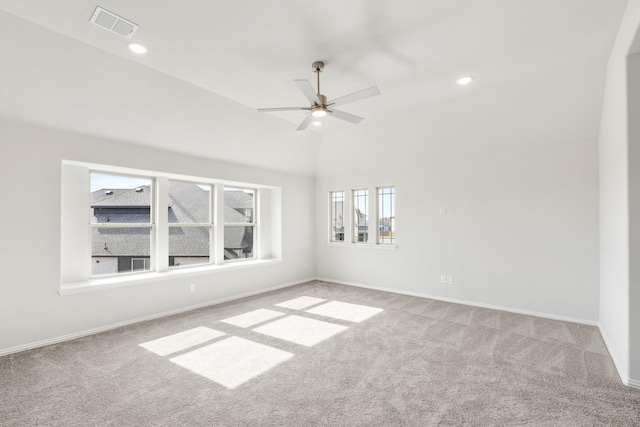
345,116
305,122
308,91
264,110
356,96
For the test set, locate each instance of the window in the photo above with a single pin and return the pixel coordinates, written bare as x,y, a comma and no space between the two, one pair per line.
360,215
337,214
386,215
121,223
118,221
363,213
190,228
138,264
239,223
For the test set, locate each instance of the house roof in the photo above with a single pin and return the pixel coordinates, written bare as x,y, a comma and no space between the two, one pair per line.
121,197
187,204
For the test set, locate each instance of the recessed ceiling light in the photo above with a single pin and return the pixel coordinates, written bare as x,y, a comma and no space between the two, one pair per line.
317,123
137,48
462,81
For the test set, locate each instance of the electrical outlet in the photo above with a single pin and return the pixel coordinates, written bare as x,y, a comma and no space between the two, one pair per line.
304,265
192,288
443,279
449,280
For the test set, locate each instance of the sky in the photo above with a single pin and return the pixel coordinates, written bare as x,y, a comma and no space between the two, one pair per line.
103,181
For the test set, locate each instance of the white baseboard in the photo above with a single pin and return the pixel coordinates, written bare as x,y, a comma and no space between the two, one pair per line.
632,383
80,334
612,354
465,302
622,373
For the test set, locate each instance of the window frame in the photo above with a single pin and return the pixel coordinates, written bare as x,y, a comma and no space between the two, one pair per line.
332,219
354,216
210,224
253,223
151,225
379,215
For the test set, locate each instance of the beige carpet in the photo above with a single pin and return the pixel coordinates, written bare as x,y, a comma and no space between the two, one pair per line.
322,354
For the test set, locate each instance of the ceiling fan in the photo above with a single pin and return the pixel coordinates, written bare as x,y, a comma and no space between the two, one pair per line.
319,105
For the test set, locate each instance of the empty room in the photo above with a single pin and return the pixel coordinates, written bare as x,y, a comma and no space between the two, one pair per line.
332,213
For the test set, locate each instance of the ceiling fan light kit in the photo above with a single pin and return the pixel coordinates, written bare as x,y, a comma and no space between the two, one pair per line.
320,107
319,112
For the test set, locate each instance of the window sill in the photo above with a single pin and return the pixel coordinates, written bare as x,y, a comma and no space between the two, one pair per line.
363,245
112,282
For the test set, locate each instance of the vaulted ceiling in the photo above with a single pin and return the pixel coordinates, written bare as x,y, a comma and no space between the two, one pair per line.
538,68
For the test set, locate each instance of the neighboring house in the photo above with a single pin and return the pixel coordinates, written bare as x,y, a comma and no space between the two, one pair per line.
361,226
122,249
387,225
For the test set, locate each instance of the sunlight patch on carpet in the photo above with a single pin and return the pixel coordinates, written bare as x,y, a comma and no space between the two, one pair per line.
252,318
300,330
181,341
345,311
232,361
300,303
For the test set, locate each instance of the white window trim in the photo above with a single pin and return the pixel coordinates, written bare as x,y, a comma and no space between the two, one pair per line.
75,277
142,278
373,218
384,247
377,201
331,218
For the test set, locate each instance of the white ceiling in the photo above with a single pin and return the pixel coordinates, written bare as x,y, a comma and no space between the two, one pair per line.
539,68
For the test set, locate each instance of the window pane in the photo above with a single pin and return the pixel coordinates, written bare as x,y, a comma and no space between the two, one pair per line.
238,205
119,250
386,215
188,245
189,203
337,214
360,215
120,199
238,242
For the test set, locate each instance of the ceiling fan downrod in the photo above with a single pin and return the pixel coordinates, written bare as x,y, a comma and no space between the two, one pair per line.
318,66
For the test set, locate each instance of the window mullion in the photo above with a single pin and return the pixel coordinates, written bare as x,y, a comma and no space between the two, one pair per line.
160,250
372,221
213,208
218,226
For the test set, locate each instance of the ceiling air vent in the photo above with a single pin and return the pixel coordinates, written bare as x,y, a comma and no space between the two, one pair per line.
112,22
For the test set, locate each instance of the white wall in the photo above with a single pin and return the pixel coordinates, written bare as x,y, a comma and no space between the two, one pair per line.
619,175
520,231
633,91
31,310
614,218
66,84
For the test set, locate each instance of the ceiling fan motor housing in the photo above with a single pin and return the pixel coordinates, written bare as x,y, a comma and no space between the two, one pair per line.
317,66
